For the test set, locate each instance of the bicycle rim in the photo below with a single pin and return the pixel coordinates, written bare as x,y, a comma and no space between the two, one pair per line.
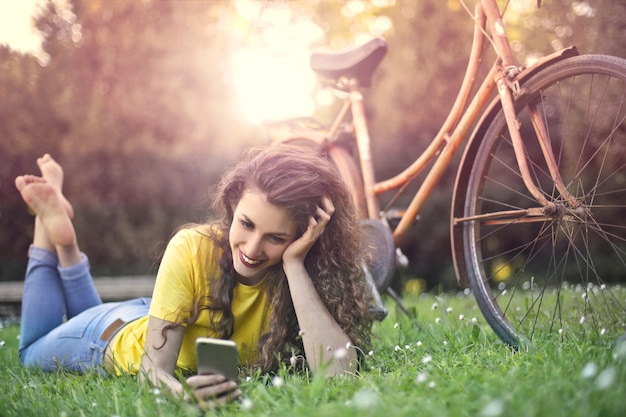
559,273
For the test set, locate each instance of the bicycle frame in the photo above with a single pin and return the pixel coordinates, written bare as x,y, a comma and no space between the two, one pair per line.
500,84
504,182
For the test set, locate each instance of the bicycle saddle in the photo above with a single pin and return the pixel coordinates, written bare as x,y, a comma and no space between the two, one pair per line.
359,62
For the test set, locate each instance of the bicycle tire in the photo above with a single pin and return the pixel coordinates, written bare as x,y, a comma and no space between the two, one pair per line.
560,274
351,175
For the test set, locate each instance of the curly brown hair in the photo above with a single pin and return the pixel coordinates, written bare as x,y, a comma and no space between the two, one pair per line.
295,179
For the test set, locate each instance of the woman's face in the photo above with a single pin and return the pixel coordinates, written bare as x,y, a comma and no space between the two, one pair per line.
259,235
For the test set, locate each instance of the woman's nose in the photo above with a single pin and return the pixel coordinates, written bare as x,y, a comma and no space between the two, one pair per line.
254,246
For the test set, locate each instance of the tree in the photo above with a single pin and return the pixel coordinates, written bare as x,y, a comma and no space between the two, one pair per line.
134,99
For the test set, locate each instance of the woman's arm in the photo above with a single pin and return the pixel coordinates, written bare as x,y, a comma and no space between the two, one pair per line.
158,366
325,343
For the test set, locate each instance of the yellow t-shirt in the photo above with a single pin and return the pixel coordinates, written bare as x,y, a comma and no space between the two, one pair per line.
187,263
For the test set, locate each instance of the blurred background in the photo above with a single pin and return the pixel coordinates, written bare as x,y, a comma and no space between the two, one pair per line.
145,103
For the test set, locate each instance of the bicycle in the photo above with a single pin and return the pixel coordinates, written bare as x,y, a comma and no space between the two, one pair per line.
538,219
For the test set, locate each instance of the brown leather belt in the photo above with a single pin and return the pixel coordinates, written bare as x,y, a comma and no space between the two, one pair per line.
110,331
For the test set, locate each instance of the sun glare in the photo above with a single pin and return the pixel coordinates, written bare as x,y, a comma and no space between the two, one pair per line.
271,76
273,86
16,29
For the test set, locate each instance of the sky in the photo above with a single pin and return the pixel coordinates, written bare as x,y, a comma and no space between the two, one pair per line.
16,27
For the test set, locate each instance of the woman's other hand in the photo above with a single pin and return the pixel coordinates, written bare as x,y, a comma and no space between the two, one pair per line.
211,390
298,249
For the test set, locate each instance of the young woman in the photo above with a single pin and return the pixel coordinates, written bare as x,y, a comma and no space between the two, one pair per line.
280,273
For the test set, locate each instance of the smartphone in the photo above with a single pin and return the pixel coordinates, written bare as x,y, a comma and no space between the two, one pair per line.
217,356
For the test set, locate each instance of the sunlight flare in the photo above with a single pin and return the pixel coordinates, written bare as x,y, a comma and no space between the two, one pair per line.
271,76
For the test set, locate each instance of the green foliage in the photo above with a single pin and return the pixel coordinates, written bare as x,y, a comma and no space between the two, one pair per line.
134,99
131,100
447,362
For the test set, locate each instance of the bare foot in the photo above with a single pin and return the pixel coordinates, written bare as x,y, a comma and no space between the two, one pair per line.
49,207
52,172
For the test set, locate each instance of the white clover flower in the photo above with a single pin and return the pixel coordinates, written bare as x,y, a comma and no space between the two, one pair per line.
370,353
348,345
437,320
602,331
2,343
589,371
156,391
431,384
397,348
619,352
560,331
474,320
493,408
427,359
421,378
419,343
94,404
434,306
461,316
246,404
340,353
449,310
365,399
445,343
407,347
277,382
396,325
582,319
606,378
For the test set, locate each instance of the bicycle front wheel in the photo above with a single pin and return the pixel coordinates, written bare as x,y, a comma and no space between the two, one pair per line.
559,271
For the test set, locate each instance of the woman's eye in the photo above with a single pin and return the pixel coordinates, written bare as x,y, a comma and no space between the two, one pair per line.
277,239
246,224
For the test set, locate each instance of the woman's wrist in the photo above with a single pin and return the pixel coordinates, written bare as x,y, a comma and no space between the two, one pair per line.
293,268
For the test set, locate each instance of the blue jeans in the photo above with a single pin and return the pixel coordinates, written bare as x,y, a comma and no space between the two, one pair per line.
63,317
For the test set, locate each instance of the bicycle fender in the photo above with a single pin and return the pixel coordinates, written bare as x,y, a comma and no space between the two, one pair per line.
296,136
316,141
462,178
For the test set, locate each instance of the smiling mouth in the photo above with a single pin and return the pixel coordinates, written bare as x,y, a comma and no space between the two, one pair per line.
251,263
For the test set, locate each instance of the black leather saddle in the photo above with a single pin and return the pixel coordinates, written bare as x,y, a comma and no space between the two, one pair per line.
358,63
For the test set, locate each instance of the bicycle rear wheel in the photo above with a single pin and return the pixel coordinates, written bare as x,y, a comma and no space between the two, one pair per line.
540,273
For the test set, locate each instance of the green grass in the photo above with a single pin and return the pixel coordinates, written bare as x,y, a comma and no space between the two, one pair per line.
437,365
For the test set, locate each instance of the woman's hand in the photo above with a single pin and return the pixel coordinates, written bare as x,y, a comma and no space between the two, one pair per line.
298,249
211,390
158,367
